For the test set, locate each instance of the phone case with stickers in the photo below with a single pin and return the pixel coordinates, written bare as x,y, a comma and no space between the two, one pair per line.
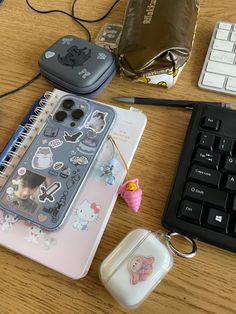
44,184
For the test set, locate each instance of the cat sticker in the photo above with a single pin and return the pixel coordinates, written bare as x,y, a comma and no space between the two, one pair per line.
42,158
86,213
97,122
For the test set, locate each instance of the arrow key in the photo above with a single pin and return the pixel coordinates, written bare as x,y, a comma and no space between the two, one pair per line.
231,183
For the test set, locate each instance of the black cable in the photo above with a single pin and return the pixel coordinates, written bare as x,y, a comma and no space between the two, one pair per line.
21,87
76,18
98,19
73,16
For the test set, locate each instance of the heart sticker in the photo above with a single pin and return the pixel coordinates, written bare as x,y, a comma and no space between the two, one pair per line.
49,54
42,217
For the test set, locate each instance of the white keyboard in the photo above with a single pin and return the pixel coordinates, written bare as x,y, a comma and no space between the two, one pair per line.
219,69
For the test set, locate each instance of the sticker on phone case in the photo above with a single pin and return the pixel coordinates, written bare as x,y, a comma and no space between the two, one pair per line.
21,171
47,194
72,180
53,172
51,131
72,138
23,192
54,211
58,165
65,172
55,143
89,143
42,218
79,160
42,158
140,268
86,213
97,122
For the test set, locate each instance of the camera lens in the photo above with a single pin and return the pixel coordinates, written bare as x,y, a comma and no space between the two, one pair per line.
60,116
68,104
77,114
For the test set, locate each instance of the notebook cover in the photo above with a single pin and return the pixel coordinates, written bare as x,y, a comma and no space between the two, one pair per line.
71,249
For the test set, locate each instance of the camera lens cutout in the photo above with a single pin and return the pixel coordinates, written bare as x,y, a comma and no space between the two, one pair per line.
68,104
60,116
77,114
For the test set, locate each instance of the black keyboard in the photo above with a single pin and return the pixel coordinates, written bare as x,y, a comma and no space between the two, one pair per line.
202,202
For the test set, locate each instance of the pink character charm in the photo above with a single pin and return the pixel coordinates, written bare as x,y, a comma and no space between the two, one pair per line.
131,193
140,268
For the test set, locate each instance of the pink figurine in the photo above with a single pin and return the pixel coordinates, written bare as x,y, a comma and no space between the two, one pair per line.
131,193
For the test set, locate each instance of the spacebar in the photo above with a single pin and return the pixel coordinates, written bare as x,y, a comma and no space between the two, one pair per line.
205,194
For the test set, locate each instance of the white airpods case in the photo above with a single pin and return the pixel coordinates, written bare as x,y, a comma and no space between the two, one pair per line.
135,267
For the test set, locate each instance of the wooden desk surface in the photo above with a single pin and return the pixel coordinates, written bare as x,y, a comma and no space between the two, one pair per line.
205,284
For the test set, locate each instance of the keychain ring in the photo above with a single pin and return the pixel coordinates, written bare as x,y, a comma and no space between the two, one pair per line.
176,251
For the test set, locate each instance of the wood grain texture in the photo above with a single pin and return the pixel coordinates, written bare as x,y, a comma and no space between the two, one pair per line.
203,285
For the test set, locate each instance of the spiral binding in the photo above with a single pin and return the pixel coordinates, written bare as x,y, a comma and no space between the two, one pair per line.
7,164
3,175
14,155
28,128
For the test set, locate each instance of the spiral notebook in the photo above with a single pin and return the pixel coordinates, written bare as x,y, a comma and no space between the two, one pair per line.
70,250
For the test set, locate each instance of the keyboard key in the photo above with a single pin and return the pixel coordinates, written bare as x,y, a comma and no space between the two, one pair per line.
222,56
213,80
222,34
233,36
205,175
206,195
225,145
207,158
231,84
233,228
206,141
231,183
211,123
218,220
224,25
221,68
230,164
190,211
223,45
234,205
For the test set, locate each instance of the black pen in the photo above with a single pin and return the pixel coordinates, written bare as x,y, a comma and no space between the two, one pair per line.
188,104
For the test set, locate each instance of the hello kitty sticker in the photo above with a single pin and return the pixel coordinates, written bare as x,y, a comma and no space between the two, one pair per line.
42,158
140,267
97,122
86,214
